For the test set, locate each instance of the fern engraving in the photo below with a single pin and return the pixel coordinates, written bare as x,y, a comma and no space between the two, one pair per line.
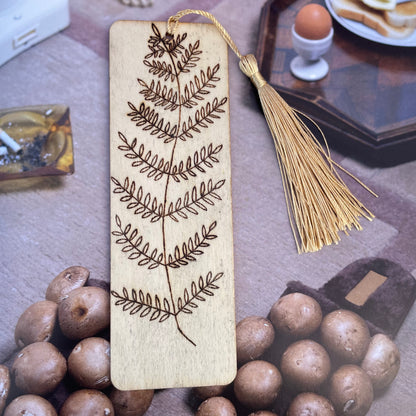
154,308
178,104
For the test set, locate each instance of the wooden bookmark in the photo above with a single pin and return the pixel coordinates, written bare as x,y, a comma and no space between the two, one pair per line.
172,277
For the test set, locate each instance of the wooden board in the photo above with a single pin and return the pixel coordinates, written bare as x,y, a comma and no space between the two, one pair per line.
172,309
367,103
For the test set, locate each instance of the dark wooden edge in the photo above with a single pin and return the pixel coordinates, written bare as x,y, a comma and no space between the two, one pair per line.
378,149
268,25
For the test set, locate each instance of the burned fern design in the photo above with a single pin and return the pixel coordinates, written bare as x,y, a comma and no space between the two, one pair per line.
198,293
143,304
172,110
147,207
195,200
169,99
160,95
133,242
142,203
156,167
156,309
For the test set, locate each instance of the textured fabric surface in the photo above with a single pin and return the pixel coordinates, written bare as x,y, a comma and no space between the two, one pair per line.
49,224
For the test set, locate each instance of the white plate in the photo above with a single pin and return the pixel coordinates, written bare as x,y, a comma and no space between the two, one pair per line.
365,32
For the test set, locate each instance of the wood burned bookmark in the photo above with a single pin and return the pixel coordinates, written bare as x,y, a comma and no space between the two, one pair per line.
172,277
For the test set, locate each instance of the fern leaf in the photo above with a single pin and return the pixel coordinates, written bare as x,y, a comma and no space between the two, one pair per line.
183,257
199,86
156,44
143,204
156,168
133,244
174,45
143,304
148,119
160,68
202,117
160,96
195,200
189,58
152,165
205,158
198,293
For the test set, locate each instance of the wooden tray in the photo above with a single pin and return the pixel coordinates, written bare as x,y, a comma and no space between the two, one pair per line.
366,105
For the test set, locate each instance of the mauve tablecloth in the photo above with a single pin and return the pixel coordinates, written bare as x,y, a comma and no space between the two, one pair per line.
52,223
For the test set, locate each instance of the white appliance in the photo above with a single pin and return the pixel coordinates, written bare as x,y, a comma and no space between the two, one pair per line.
23,23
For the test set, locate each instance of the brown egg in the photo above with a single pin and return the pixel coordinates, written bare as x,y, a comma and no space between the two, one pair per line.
313,22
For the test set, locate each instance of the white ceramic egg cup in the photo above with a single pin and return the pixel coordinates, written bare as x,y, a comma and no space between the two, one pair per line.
309,64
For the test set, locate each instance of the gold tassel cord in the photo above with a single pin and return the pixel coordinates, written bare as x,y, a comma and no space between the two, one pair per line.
319,203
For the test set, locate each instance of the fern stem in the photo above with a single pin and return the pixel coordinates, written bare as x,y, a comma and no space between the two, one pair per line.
183,333
165,202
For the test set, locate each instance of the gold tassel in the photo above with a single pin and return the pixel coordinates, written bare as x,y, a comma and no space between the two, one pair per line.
318,201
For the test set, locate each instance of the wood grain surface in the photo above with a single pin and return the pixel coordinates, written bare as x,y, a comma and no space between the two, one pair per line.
171,218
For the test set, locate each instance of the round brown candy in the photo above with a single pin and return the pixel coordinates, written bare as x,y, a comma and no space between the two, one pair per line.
351,391
257,384
345,335
205,392
30,404
84,312
310,404
131,402
254,336
89,363
305,365
87,402
38,368
36,324
218,406
296,315
4,386
381,361
69,279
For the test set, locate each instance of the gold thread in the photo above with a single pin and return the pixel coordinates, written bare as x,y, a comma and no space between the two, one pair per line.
258,80
319,203
174,20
